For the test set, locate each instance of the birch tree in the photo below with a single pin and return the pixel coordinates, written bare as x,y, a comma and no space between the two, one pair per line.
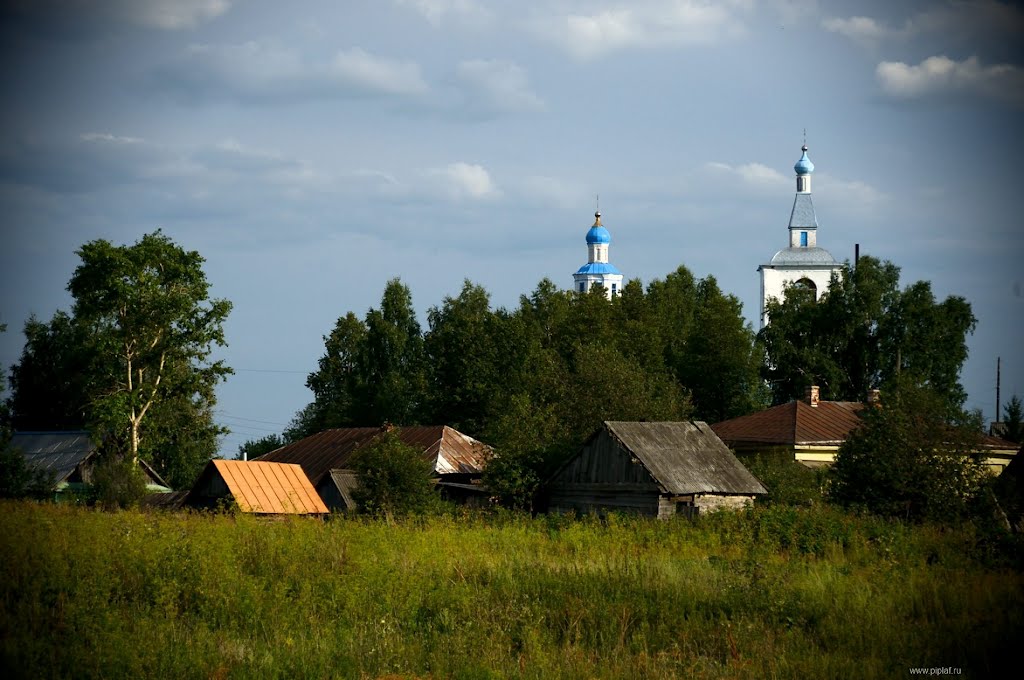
147,309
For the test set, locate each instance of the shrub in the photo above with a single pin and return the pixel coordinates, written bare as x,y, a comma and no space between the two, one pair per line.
394,478
118,482
788,482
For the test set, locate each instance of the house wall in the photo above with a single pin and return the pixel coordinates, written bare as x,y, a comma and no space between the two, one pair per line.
603,477
711,502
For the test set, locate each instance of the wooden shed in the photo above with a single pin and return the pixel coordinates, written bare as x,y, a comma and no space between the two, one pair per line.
657,469
257,487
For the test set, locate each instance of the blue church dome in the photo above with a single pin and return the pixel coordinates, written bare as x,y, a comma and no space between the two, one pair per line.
597,233
804,166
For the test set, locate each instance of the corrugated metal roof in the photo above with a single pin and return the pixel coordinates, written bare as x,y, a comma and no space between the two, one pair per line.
451,450
345,481
685,457
794,423
58,453
269,488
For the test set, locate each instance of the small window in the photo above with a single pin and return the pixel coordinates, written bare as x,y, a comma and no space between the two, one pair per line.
615,289
803,239
582,286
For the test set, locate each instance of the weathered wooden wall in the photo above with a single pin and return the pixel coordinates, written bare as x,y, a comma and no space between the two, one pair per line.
604,477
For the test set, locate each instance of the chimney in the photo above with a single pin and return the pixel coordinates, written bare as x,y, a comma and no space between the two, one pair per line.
875,398
811,396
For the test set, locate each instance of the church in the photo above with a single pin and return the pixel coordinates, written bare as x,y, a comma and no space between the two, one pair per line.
597,270
803,263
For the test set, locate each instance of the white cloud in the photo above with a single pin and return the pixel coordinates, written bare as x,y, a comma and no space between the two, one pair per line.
940,75
861,29
498,86
651,24
465,181
754,175
257,71
436,11
172,14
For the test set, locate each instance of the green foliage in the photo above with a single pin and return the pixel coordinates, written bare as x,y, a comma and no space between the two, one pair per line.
394,478
254,448
910,460
788,481
865,333
536,381
17,480
117,482
775,592
132,364
1012,416
147,311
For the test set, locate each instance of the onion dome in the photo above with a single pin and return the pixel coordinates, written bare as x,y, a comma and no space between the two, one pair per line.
597,233
804,166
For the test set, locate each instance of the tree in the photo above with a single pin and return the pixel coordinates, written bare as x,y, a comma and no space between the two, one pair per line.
1012,413
52,383
909,460
147,310
865,333
254,448
394,478
465,358
720,365
337,384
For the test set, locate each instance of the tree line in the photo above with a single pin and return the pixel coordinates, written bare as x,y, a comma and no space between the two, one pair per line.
131,361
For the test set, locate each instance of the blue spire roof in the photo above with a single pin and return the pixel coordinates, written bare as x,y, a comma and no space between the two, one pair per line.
804,166
597,233
598,268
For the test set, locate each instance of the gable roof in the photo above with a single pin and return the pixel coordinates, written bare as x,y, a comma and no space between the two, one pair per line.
797,422
267,488
685,457
58,453
451,450
61,453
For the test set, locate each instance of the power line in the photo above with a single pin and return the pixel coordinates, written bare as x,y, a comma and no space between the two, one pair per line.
270,370
251,420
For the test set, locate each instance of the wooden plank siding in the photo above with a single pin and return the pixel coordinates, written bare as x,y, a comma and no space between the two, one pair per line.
604,477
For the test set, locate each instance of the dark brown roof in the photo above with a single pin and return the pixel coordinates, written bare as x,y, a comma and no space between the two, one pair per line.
451,450
794,423
991,442
685,457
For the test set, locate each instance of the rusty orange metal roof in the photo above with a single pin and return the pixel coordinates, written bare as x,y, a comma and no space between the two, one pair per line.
270,488
794,423
451,451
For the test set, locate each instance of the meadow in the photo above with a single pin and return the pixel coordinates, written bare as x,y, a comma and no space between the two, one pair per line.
774,592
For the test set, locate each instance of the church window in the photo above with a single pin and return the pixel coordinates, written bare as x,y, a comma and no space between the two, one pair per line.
615,289
582,286
803,239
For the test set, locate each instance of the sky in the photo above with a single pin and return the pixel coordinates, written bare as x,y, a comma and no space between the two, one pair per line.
312,151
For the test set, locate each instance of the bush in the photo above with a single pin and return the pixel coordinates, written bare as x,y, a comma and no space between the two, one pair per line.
910,460
118,482
394,479
788,482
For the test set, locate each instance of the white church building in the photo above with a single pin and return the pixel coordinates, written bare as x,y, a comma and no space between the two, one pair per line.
598,270
803,263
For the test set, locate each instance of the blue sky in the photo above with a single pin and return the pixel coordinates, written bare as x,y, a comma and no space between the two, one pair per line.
312,151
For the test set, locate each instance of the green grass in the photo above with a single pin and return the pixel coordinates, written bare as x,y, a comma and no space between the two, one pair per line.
773,592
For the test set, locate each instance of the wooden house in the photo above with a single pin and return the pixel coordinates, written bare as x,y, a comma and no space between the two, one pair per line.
458,459
811,430
256,487
69,458
657,469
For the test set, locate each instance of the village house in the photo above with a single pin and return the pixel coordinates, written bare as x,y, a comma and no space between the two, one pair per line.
256,487
657,469
811,430
69,458
458,460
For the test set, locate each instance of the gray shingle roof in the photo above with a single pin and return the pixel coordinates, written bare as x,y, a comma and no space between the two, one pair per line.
59,453
686,457
803,216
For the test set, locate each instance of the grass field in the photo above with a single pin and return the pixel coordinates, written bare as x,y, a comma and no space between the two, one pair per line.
775,592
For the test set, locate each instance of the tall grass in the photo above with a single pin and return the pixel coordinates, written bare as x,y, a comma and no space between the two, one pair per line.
775,592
